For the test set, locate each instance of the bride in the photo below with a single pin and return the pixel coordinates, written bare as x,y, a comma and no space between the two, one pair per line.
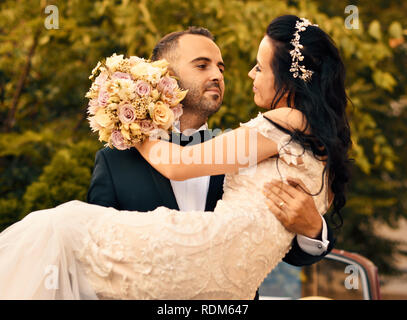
84,251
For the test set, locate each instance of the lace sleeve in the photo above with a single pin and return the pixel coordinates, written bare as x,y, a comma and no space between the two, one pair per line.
288,150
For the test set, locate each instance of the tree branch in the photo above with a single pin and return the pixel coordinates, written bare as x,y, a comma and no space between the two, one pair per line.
10,121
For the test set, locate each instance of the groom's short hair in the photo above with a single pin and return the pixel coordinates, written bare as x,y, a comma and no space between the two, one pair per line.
170,41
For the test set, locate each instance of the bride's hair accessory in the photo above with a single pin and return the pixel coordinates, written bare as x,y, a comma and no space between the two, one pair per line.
132,99
296,55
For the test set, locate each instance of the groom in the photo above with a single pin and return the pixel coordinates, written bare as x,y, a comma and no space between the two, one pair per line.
125,181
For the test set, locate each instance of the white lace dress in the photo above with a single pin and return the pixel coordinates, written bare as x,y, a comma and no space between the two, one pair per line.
83,251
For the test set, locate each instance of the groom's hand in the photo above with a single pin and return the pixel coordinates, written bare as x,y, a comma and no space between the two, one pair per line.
293,207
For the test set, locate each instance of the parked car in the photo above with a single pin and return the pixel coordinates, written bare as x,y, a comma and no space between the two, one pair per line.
340,275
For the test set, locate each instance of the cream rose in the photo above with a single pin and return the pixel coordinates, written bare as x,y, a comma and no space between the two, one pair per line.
95,127
104,119
162,115
135,129
155,94
125,131
161,64
104,134
93,107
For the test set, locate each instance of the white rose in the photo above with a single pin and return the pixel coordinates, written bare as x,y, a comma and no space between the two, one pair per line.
139,70
113,62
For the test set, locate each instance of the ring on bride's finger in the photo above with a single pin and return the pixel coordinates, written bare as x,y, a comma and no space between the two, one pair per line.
281,204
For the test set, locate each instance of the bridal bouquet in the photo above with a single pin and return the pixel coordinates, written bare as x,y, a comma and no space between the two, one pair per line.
132,99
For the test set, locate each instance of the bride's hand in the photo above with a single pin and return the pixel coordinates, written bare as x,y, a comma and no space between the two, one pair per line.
294,208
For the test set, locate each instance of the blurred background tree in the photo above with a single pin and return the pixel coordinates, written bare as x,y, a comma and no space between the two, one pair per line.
46,147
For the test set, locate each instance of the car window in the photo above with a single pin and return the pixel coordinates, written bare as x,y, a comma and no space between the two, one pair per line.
333,279
330,278
284,282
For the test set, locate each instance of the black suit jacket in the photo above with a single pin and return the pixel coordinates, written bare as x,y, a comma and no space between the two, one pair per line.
125,181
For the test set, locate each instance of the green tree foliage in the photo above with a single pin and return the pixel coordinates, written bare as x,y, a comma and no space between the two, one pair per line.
47,149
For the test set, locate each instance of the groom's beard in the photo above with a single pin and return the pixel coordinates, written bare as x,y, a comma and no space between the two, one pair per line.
198,102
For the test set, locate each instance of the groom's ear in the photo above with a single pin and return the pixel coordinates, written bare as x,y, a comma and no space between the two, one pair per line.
171,71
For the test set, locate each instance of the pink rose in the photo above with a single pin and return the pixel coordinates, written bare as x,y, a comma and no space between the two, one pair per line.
103,97
126,113
142,88
118,141
177,111
101,78
169,97
147,125
167,85
121,75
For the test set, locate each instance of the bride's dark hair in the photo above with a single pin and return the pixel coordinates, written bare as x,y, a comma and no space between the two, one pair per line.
322,99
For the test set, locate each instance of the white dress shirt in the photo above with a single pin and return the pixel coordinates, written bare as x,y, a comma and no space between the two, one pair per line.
191,195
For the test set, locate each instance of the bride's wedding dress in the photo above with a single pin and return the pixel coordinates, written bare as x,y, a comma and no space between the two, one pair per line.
83,251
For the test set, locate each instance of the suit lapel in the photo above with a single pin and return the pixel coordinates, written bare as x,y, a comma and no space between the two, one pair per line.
215,192
164,189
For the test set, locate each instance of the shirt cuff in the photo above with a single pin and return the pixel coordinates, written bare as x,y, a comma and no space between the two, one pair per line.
314,247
